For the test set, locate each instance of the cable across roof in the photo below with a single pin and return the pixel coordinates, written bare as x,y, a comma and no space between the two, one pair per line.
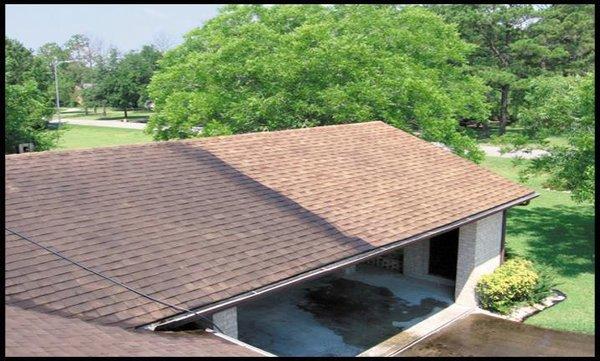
189,313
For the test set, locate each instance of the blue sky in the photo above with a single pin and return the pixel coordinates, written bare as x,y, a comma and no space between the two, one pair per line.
127,27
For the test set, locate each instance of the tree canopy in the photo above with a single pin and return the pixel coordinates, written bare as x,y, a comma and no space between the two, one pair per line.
255,68
518,42
26,104
563,105
124,86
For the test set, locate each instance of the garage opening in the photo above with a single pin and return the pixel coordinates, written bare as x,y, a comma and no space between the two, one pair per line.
342,314
443,255
351,310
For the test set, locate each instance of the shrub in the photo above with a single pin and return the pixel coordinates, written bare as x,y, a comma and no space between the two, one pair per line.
513,283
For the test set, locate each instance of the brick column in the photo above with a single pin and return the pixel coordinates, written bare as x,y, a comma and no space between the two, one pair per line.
416,259
227,321
479,253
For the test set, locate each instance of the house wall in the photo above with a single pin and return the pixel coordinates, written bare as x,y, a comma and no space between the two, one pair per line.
226,320
479,253
416,259
416,263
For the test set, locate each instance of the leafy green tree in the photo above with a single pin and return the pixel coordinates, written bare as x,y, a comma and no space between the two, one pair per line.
563,106
26,104
518,42
494,28
124,85
567,32
50,53
21,65
254,68
25,112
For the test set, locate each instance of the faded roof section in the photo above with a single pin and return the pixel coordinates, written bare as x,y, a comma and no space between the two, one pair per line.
196,222
31,333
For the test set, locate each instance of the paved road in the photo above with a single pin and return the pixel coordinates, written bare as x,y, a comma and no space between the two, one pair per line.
483,335
102,123
495,152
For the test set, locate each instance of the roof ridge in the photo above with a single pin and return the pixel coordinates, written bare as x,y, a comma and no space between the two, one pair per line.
189,140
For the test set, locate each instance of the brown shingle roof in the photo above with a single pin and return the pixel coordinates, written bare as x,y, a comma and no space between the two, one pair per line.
196,222
31,333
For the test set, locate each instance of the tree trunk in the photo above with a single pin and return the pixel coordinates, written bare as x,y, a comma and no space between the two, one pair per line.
503,109
125,112
486,129
86,110
95,109
103,109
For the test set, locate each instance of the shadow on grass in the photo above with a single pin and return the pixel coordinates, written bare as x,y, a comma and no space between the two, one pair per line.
561,237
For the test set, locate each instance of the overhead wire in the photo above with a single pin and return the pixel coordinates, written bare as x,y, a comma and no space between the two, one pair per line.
113,280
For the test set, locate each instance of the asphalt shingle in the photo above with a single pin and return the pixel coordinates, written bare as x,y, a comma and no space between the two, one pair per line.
195,222
31,333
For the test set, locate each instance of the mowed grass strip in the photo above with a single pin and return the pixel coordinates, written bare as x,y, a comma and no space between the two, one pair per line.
83,136
556,231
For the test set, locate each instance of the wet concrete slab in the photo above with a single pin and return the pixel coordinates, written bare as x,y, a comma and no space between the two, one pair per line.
484,335
339,315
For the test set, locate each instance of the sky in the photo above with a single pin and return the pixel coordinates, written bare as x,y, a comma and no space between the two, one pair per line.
128,27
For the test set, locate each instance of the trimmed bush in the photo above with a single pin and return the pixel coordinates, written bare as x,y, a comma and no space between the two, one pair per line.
515,282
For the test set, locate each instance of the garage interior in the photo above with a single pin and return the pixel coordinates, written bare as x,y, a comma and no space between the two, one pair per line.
352,310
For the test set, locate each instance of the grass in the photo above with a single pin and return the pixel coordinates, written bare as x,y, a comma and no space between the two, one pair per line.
513,129
141,115
556,231
81,136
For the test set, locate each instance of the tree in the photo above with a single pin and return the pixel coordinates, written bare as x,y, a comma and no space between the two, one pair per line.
26,104
124,86
84,50
565,106
518,42
494,29
25,111
255,68
21,65
569,31
162,41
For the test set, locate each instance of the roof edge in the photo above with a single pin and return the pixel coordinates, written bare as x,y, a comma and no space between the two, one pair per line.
155,143
324,270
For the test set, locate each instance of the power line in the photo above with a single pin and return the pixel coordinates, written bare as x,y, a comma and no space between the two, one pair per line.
164,303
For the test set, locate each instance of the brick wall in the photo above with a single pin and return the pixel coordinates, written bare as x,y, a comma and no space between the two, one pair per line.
479,246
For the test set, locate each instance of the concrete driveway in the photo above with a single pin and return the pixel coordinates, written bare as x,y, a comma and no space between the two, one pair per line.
483,335
340,315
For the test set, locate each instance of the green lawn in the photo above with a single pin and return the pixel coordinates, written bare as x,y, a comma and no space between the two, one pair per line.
554,230
81,136
111,114
513,129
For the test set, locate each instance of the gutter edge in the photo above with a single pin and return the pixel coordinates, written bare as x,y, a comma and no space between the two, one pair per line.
181,318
